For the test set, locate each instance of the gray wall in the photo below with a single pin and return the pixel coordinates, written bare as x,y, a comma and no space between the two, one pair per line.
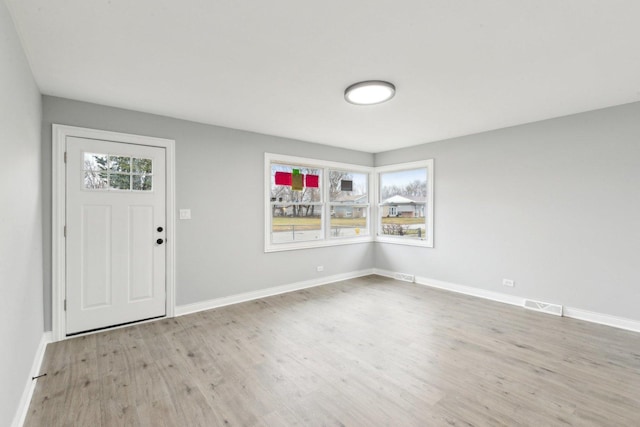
219,176
21,324
553,205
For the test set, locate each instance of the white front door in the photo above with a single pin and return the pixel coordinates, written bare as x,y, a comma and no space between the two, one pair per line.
115,233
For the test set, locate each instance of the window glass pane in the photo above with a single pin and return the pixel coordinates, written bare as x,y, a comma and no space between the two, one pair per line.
403,196
348,221
94,162
96,180
141,182
406,183
404,220
295,223
142,165
120,163
282,189
119,181
348,187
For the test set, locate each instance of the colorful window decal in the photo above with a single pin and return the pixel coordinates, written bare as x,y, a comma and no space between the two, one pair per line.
346,185
312,181
283,178
297,180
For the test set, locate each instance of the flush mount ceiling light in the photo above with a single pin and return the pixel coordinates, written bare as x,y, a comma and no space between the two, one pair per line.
369,92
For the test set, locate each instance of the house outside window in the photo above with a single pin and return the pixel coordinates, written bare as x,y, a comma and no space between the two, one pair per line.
405,208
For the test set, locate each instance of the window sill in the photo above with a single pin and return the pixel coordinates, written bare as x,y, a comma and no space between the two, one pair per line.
406,242
317,244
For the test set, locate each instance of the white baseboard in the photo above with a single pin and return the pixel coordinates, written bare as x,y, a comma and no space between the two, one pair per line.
603,319
574,313
469,290
385,273
262,293
25,400
461,289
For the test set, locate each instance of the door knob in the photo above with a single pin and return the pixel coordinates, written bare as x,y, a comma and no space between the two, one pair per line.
160,229
159,241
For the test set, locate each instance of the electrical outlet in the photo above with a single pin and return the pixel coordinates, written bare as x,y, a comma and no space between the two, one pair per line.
508,282
320,268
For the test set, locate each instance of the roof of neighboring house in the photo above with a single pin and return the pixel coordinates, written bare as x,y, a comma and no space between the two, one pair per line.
350,197
401,200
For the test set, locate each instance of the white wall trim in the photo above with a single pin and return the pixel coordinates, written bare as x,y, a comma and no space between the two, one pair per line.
58,214
384,273
602,319
469,290
263,293
461,289
30,386
574,313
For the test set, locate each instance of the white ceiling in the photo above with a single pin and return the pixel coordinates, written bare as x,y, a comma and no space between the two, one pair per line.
280,66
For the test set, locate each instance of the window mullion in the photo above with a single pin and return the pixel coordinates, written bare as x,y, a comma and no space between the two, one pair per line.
326,224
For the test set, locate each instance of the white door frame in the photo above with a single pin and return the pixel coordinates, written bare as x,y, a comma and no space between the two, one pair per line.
58,214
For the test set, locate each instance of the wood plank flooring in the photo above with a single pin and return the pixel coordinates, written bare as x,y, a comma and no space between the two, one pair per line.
363,352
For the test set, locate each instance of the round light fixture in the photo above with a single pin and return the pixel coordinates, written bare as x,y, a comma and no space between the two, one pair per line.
369,92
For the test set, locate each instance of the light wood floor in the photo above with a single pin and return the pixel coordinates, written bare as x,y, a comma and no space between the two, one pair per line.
364,352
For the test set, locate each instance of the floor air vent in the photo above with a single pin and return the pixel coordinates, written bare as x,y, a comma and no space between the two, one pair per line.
544,307
404,277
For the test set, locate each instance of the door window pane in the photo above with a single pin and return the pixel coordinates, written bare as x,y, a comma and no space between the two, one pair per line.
109,171
95,176
141,182
142,165
96,180
119,181
94,162
120,163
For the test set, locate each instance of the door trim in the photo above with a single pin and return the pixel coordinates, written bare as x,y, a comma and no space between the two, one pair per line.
58,215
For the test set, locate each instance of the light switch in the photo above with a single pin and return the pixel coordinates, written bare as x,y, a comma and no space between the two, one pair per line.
185,213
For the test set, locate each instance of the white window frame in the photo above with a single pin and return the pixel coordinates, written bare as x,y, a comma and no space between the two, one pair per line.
429,211
367,206
270,158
